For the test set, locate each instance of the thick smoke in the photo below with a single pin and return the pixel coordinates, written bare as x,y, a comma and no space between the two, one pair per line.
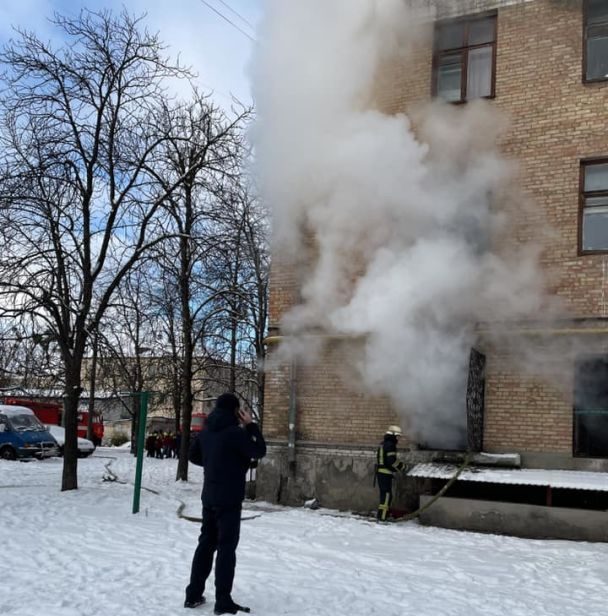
400,228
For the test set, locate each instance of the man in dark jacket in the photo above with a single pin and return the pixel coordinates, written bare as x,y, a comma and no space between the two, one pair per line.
225,448
386,466
150,445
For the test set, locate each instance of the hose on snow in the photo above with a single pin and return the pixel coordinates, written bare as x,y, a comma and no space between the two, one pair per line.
446,487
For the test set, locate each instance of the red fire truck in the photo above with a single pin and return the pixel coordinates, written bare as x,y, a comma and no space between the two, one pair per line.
199,421
83,422
50,413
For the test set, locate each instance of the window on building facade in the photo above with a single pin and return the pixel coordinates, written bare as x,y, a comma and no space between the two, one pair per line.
596,40
464,58
594,206
591,408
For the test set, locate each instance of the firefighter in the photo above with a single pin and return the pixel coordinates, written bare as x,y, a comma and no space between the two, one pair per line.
386,466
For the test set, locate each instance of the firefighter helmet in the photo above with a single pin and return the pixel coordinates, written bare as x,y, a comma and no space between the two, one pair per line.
394,430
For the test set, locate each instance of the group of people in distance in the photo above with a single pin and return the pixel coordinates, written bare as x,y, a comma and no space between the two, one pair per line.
163,444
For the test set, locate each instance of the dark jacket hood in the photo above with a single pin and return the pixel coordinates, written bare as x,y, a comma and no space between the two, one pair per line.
220,419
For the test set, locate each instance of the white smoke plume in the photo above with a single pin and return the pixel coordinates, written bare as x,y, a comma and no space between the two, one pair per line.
407,223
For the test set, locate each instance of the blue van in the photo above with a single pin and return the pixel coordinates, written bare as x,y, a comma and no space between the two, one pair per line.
23,436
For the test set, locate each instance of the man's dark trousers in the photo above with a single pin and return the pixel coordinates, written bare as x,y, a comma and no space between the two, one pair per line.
220,531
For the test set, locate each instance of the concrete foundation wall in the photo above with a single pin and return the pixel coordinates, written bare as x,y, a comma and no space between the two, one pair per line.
530,521
338,477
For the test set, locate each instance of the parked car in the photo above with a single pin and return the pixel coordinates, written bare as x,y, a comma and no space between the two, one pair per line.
22,435
50,413
85,447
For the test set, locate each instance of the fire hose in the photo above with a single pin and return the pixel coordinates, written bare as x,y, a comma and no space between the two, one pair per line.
446,487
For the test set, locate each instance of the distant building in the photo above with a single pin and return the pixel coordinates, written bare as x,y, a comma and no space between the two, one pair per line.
156,374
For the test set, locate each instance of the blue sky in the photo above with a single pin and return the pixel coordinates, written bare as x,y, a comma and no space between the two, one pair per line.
217,51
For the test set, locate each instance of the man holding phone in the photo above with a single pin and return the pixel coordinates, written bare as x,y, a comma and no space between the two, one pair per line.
225,448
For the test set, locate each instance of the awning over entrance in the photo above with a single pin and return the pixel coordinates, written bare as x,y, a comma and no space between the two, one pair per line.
572,480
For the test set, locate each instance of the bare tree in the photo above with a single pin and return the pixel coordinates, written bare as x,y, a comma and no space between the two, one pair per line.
168,311
255,287
129,348
205,152
78,204
243,265
28,359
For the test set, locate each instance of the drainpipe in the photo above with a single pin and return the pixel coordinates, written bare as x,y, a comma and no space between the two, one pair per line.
291,419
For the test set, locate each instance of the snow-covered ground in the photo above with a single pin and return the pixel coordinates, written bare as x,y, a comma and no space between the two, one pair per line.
83,553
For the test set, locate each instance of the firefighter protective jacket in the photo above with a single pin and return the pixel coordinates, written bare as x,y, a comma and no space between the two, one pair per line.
386,457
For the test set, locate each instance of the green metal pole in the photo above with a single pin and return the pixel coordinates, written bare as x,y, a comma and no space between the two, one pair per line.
141,437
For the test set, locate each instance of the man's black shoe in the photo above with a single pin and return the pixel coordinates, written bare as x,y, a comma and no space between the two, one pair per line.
194,603
229,608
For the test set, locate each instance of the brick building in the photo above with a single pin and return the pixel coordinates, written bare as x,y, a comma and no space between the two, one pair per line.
544,63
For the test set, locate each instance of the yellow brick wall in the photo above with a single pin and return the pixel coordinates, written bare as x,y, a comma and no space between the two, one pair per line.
276,399
555,120
283,288
330,408
524,413
334,411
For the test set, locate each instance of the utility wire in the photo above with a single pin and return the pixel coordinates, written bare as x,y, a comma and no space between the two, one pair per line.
228,20
235,12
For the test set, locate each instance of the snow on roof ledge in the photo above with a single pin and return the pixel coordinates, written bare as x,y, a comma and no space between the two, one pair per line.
574,480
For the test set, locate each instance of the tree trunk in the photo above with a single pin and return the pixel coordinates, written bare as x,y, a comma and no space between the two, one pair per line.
135,398
187,399
176,395
182,463
187,333
233,343
69,480
92,390
235,307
